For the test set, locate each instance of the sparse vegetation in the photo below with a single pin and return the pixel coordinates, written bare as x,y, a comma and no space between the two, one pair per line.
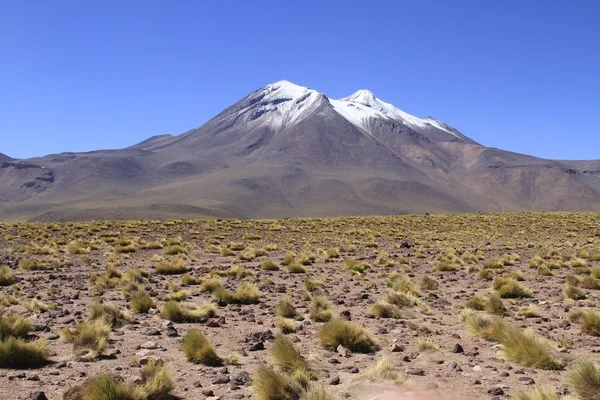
199,350
346,334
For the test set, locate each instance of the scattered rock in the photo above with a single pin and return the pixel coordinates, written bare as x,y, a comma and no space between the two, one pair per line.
415,371
458,349
496,391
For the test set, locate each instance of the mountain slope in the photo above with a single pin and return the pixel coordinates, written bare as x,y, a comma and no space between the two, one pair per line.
286,150
4,157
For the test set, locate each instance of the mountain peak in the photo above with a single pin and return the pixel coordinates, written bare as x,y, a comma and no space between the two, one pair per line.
363,96
285,89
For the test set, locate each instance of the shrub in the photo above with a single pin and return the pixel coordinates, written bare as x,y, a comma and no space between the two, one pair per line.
445,266
351,336
177,266
424,345
102,387
77,247
108,312
476,302
332,253
268,384
18,353
187,312
313,285
237,270
6,276
355,266
296,268
320,309
384,369
88,335
247,293
13,325
269,265
522,347
156,382
583,378
175,249
199,350
428,283
210,285
589,282
288,258
494,305
141,302
385,310
530,311
31,265
573,293
286,325
589,321
405,285
537,393
287,357
286,309
180,295
189,280
511,289
317,393
544,271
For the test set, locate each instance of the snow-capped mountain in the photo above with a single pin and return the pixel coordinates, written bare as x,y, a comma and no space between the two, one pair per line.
286,150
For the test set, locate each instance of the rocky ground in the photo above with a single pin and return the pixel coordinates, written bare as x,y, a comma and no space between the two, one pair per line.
456,365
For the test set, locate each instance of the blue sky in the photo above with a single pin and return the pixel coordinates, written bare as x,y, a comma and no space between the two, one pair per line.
84,75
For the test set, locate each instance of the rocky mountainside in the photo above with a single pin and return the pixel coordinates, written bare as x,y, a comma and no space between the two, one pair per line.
286,151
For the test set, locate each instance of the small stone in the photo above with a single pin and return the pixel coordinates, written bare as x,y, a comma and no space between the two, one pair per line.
458,349
213,324
39,396
221,379
153,332
415,371
257,346
208,392
335,380
496,391
477,368
342,351
150,345
172,332
527,380
242,378
397,348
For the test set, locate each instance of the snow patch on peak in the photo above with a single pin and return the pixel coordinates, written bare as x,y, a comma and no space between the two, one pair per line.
362,96
285,89
280,104
363,105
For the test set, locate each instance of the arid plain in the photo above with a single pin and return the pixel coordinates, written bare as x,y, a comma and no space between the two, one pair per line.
476,306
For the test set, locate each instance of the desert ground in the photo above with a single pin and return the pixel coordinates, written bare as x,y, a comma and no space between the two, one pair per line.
465,306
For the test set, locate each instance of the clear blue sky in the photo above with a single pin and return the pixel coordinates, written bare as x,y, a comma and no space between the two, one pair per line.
521,75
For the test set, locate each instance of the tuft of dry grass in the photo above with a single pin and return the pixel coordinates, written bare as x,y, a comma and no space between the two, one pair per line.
199,350
583,378
268,384
91,337
347,334
287,357
141,302
320,309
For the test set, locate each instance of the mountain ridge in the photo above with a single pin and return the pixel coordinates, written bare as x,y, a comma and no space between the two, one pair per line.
284,151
